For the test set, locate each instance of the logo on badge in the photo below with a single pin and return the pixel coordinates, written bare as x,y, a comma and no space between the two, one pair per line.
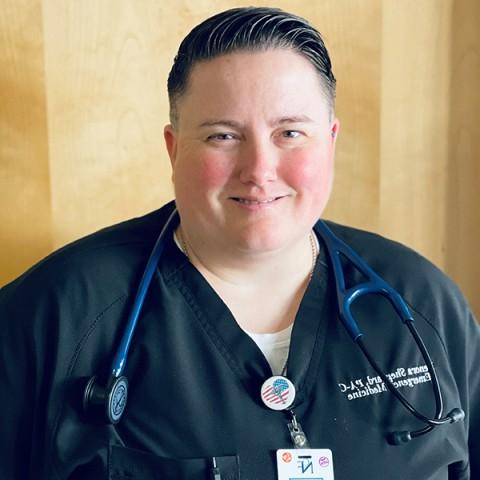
287,457
324,461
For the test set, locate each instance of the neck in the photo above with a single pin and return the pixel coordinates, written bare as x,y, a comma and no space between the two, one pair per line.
264,291
238,268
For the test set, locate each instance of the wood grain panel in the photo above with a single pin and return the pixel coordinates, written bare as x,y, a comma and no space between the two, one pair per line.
106,107
414,124
25,234
355,47
462,224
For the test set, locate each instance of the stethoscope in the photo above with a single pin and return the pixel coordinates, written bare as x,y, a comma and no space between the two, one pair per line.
109,401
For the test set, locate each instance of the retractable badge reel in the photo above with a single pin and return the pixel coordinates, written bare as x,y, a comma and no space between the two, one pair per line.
278,393
301,462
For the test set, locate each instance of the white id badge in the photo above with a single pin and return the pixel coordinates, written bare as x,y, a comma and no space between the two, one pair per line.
303,463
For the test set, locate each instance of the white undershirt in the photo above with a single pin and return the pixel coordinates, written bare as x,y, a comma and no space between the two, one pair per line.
274,347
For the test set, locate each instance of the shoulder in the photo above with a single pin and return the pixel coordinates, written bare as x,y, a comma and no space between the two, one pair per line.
383,253
427,289
106,261
112,246
438,306
74,300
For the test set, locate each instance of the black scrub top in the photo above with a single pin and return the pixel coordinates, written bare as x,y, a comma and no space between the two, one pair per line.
195,376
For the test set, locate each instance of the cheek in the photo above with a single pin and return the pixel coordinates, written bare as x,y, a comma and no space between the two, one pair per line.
202,172
308,173
213,173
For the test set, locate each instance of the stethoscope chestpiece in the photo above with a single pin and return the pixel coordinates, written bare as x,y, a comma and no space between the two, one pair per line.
106,404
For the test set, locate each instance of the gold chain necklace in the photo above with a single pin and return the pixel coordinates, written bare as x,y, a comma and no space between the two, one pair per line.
311,238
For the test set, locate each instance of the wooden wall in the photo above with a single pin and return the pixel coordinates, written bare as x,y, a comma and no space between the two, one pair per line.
83,103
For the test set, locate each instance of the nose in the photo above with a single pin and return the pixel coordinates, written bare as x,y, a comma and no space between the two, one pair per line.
259,163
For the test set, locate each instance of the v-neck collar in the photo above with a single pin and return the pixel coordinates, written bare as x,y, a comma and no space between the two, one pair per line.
238,349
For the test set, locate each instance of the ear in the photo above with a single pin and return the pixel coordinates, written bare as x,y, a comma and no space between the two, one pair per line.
334,130
170,136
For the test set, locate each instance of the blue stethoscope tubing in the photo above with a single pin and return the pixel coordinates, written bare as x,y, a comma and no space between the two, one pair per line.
120,359
108,402
112,398
375,284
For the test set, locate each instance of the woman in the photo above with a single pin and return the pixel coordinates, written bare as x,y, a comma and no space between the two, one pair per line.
238,356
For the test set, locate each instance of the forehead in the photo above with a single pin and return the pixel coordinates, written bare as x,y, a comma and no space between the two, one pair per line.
252,79
228,64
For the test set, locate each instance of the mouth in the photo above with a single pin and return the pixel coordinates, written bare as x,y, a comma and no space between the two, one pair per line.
255,201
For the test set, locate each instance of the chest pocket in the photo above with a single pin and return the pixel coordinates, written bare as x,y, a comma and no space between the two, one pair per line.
129,464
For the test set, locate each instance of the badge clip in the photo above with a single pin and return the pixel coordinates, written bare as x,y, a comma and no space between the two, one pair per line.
299,438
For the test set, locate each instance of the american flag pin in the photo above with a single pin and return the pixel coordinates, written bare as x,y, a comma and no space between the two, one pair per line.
278,393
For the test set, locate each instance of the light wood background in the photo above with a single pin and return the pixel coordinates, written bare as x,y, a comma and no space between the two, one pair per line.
83,104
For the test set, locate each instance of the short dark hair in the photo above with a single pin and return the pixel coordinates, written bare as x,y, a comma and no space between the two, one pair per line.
248,29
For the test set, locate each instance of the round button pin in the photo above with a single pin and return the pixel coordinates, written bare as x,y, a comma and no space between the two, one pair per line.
278,393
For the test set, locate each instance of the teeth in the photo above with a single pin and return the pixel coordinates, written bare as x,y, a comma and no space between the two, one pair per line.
254,202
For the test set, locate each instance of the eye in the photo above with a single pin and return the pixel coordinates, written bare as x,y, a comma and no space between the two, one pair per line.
291,134
291,138
221,137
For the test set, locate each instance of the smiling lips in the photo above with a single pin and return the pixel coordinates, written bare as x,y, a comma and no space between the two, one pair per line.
255,201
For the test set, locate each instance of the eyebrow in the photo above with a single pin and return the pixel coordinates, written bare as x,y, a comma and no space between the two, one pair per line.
293,119
274,122
221,123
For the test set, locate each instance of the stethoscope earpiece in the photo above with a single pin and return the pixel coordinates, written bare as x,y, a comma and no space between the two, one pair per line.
456,415
399,438
108,403
404,436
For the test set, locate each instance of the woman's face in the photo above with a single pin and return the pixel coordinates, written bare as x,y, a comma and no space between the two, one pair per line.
252,154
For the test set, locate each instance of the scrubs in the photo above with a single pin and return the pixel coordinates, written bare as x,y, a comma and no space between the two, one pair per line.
195,376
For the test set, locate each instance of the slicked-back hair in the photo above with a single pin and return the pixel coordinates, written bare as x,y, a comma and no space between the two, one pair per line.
248,29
